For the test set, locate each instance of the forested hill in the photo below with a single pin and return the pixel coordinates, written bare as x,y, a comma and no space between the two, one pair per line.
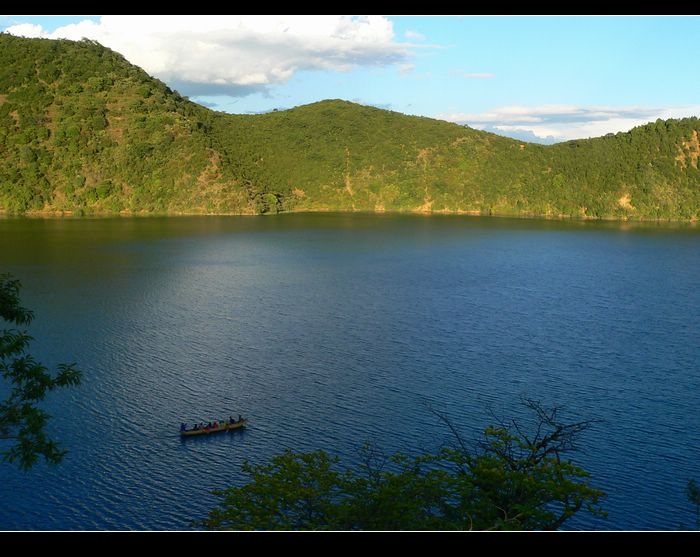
83,131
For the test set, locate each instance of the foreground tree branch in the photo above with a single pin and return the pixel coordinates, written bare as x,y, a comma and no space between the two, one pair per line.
22,422
514,480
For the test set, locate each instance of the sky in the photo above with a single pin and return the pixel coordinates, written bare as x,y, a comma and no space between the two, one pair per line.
534,78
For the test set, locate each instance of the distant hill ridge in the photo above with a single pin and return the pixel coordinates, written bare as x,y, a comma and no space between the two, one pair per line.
83,131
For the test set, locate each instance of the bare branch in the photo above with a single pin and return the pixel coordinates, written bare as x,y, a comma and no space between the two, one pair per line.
444,419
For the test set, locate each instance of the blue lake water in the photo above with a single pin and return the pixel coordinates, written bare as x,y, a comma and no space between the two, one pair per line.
330,330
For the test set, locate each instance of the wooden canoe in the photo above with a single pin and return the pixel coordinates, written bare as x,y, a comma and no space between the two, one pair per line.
222,426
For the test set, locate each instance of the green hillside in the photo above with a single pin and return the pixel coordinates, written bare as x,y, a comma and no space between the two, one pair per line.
336,155
84,131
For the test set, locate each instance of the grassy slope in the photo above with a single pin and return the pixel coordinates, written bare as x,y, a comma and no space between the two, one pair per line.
336,155
83,130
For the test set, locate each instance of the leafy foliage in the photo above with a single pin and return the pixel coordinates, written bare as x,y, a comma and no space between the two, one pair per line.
514,480
84,131
692,491
22,422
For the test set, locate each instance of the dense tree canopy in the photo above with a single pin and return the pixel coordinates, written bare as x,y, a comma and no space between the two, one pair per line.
84,131
23,436
515,479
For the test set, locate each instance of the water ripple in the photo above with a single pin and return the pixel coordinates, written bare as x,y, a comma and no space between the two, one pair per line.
328,333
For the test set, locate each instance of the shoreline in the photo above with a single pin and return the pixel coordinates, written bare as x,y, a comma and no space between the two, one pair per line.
693,221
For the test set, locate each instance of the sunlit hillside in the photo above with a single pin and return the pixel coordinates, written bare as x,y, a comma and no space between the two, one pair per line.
83,131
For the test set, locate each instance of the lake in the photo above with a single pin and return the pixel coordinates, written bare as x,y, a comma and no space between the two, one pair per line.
329,330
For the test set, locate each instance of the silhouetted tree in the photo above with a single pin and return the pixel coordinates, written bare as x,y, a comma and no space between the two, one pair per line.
22,422
517,479
692,491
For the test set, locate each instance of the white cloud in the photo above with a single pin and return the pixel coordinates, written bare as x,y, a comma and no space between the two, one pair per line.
414,35
564,122
230,54
26,30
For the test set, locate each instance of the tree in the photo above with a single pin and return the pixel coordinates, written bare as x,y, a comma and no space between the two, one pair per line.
516,479
692,491
293,492
519,479
22,422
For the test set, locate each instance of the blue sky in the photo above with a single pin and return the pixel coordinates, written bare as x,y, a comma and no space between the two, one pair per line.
538,78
